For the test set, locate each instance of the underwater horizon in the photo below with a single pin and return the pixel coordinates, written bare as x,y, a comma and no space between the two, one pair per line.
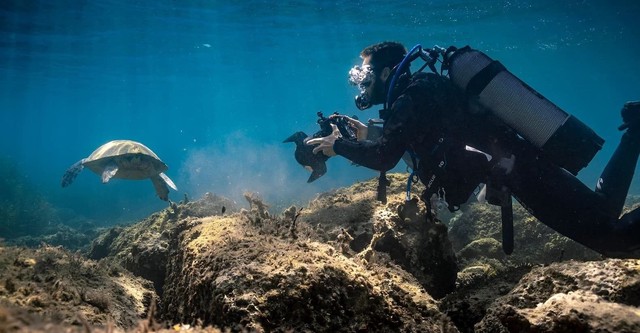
214,87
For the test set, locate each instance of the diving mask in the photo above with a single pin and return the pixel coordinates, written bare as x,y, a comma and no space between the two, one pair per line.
362,77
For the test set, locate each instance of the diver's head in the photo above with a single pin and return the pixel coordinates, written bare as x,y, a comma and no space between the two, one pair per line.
378,62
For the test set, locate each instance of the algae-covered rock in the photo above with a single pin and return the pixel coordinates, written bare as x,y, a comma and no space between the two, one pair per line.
142,248
374,268
479,284
598,296
487,247
534,242
156,249
398,228
419,245
351,208
67,288
486,271
58,235
239,271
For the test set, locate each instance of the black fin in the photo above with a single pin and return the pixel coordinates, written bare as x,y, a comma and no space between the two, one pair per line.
297,138
319,169
304,156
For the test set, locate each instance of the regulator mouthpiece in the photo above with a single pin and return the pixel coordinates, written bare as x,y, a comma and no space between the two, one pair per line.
363,102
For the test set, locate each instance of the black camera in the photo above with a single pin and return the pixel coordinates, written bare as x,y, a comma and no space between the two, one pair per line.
304,153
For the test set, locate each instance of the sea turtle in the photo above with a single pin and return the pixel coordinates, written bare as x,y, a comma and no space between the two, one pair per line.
124,159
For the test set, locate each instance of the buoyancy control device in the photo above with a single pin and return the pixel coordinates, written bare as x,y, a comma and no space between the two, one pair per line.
561,137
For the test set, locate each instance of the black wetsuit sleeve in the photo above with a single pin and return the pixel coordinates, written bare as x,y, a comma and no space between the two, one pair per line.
384,153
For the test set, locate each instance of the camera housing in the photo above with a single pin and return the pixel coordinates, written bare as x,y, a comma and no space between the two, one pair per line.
340,121
304,155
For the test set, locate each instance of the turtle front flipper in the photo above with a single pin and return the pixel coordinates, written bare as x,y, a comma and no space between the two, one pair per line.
168,181
71,173
109,171
161,187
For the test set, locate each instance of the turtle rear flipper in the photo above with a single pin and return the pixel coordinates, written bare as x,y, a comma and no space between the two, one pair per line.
161,187
109,171
71,173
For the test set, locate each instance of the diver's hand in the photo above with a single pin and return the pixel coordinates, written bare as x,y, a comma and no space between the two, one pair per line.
360,128
325,144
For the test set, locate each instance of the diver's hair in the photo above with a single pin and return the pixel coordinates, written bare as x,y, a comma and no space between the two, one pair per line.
384,54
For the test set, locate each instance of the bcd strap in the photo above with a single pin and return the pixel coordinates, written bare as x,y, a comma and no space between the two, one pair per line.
383,182
507,228
414,166
500,195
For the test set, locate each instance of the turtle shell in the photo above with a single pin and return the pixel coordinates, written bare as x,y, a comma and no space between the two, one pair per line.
134,160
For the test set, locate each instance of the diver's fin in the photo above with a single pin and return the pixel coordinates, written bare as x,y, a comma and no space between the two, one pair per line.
318,171
161,187
630,115
71,173
168,181
109,171
297,138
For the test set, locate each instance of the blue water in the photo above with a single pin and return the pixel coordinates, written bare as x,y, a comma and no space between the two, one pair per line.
213,87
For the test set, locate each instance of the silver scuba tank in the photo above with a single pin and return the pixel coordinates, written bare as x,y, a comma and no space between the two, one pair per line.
561,137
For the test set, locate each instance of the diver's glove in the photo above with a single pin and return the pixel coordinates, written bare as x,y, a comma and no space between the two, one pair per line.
630,115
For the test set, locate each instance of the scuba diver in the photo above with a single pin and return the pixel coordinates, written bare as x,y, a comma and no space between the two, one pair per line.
479,124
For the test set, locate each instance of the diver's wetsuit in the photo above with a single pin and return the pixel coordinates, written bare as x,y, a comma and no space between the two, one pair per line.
432,117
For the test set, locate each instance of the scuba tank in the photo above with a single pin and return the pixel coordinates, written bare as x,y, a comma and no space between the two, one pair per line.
561,137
